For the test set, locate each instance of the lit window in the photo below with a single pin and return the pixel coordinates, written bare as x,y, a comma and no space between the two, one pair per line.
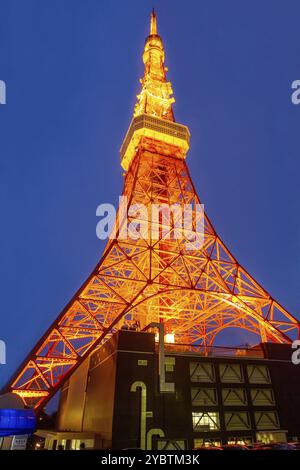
170,338
242,441
207,442
75,444
205,421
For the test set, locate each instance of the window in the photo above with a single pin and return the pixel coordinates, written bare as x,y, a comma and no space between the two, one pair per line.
142,362
237,420
231,373
206,421
243,441
234,396
204,396
266,420
262,397
267,437
88,443
206,442
171,444
169,364
201,372
75,444
258,374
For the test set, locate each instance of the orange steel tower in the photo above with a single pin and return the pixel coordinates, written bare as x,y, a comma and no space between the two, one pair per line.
196,292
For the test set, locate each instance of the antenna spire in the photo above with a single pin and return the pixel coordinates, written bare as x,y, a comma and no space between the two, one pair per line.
155,97
153,23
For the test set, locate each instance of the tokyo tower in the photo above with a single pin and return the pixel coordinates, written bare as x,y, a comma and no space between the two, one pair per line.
158,276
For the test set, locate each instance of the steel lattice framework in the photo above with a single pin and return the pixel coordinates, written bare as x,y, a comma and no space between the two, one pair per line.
197,293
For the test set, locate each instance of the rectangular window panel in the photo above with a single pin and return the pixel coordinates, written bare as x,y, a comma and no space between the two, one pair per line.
169,364
234,396
243,441
163,444
204,396
206,442
266,420
231,373
205,421
258,374
262,397
237,420
201,372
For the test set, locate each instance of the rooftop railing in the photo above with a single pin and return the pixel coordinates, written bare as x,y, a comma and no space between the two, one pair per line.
254,351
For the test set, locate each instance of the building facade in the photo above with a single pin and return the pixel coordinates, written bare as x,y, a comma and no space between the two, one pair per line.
214,396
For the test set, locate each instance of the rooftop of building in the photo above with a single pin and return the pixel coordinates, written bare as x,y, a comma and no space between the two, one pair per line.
132,340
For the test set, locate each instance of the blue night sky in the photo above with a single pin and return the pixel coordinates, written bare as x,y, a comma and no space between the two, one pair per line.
71,68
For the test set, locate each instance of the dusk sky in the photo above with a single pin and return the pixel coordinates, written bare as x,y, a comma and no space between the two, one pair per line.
72,70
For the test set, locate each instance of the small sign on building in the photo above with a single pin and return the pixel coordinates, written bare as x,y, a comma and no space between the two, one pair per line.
19,442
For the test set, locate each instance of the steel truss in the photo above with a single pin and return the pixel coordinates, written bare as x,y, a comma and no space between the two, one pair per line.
196,293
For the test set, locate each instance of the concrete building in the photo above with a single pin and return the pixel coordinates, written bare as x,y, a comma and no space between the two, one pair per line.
136,391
